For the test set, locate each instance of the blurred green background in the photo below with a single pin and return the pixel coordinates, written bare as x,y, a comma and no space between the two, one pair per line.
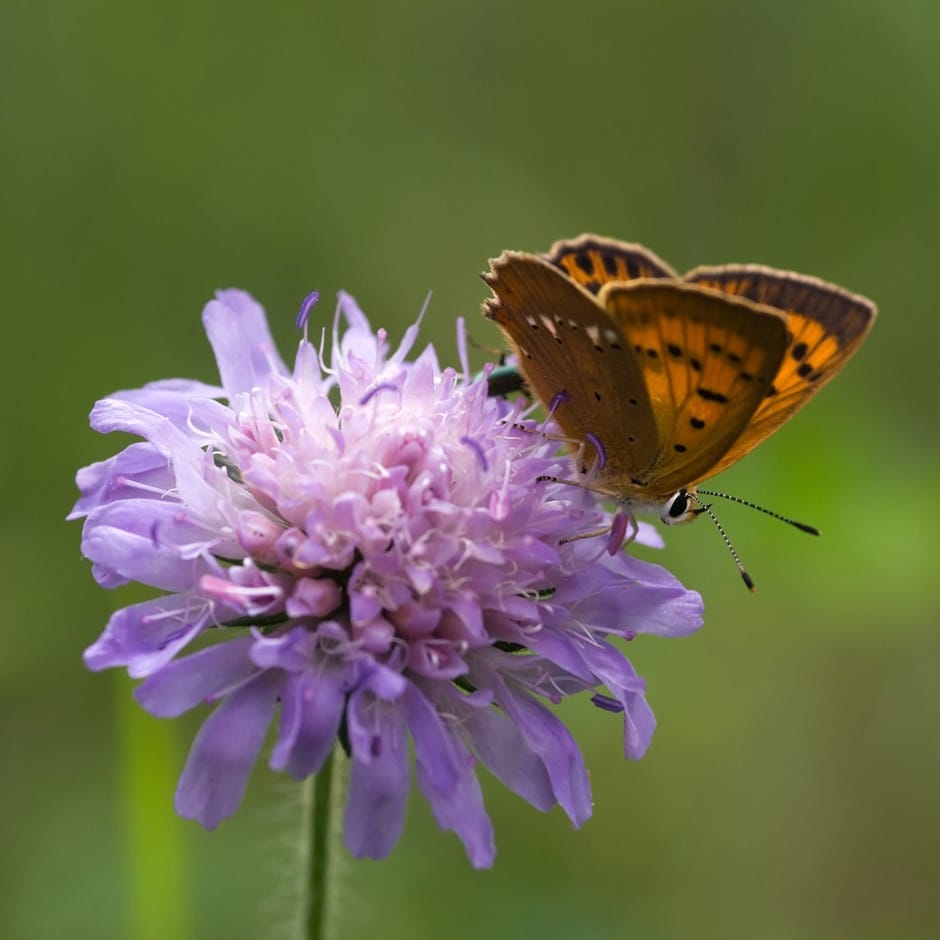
153,152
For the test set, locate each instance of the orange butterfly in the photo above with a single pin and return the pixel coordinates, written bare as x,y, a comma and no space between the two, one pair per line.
667,380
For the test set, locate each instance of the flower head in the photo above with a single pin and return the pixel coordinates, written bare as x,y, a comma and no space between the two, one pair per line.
369,548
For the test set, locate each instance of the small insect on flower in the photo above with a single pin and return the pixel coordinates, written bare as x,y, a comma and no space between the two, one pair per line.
364,543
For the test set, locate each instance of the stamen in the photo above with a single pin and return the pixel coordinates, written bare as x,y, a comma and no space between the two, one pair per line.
251,599
595,442
382,386
606,703
559,398
478,450
308,303
618,532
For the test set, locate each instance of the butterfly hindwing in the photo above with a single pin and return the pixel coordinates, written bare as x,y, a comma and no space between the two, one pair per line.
592,261
825,325
707,360
567,346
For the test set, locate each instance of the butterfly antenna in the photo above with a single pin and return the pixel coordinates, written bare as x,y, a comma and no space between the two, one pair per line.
703,507
802,526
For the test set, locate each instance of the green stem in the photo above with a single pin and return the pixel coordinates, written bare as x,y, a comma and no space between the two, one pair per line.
323,800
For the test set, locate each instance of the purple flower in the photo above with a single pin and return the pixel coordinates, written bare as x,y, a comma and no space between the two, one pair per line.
368,550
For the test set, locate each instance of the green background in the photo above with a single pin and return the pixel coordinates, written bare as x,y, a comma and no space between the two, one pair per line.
152,152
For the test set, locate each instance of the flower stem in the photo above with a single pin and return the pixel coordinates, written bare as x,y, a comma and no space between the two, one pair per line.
323,798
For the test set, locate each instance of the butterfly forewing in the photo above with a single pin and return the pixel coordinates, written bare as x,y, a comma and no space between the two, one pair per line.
592,261
676,378
707,360
568,346
825,325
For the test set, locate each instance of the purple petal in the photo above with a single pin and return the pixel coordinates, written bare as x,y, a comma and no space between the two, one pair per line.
188,458
548,737
184,403
293,651
185,683
311,711
378,777
501,745
121,477
146,636
244,350
447,779
616,672
624,595
146,541
213,781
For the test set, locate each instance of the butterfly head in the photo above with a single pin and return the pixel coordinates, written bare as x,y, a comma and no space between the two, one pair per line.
681,507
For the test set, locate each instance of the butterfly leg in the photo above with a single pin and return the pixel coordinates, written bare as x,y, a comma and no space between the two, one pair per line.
600,491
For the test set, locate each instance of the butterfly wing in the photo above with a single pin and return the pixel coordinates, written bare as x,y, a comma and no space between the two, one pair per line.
567,346
708,360
592,261
825,325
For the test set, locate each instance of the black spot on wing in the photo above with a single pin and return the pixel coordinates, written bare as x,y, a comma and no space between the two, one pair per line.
583,260
710,395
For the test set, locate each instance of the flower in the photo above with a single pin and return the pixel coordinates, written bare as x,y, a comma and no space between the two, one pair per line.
368,547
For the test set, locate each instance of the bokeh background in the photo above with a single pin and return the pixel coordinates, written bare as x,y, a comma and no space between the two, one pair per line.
153,152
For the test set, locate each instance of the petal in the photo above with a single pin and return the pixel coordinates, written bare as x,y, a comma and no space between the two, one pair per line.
626,596
447,779
183,402
503,748
197,481
216,772
292,651
144,540
122,477
378,776
244,350
616,672
548,737
205,675
146,636
311,711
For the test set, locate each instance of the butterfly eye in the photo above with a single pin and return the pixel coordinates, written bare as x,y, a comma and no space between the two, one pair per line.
676,508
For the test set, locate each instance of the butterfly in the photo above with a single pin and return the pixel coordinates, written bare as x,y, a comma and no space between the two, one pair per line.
666,380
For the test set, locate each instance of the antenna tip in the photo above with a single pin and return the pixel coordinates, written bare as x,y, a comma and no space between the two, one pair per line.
747,580
803,527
